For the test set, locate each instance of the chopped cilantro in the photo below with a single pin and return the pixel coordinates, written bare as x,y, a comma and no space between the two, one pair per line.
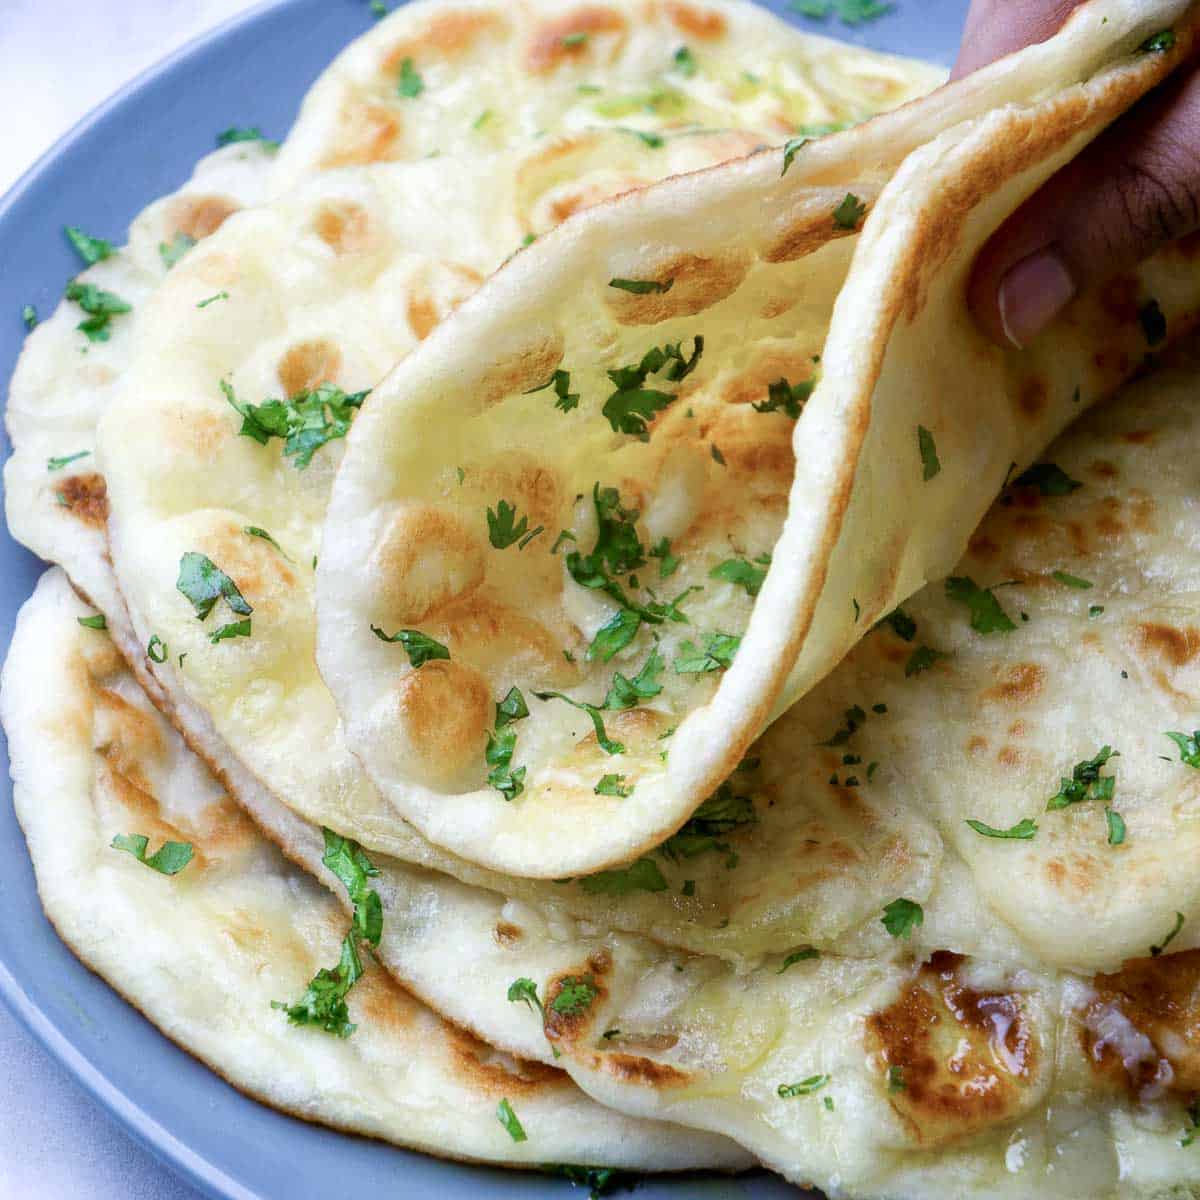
1094,610
420,647
717,654
505,1114
481,120
575,995
306,421
786,397
29,317
101,307
1116,826
717,456
789,1091
921,659
248,133
602,1180
613,785
579,38
511,708
641,876
793,146
498,756
96,621
902,625
565,399
91,249
1160,42
212,299
156,649
1049,479
633,404
668,563
409,83
654,140
171,252
606,743
1189,747
203,583
57,464
255,531
1023,830
895,1078
848,214
1072,581
525,990
851,12
803,954
628,693
930,465
741,573
854,717
986,614
1155,951
685,62
504,529
232,630
1086,782
724,812
901,917
324,1001
169,859
641,287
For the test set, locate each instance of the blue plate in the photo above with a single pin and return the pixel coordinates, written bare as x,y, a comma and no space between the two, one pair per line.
140,145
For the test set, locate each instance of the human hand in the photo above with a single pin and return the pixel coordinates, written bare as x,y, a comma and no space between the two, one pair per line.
1135,188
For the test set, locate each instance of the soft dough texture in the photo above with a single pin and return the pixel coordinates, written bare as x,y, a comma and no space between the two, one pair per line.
735,271
484,75
205,952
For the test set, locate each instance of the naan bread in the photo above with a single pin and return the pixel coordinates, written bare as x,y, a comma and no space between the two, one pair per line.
205,952
623,394
483,76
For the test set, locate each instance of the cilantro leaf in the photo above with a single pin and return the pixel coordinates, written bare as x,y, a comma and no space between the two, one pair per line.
613,785
601,1180
740,572
1086,782
95,621
789,1091
525,990
806,134
901,917
203,583
505,1114
633,404
641,876
91,249
232,630
575,995
685,62
1155,951
409,83
848,214
565,400
1072,581
501,745
628,693
1159,43
668,563
57,464
1049,479
786,397
606,743
854,717
986,614
169,859
717,654
641,287
511,708
101,307
902,625
156,649
1116,826
29,317
171,252
306,421
1023,830
1189,747
420,647
724,812
246,133
930,464
256,531
803,954
504,529
896,1078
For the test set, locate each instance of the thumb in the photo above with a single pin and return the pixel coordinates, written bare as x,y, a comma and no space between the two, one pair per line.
1135,188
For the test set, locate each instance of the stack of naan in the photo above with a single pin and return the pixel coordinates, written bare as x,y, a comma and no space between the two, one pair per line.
564,623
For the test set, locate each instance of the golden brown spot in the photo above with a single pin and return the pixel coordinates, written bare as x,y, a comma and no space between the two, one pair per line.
521,370
552,42
696,283
498,1075
507,934
1019,684
85,497
198,216
572,1025
1033,396
446,36
1142,1029
1103,469
1177,646
982,546
423,315
138,806
445,707
642,1072
966,1058
495,637
807,234
1018,729
703,23
380,1003
977,744
1138,437
366,133
343,227
1009,756
307,365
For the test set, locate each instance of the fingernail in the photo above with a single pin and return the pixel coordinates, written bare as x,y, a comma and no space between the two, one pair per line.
1032,294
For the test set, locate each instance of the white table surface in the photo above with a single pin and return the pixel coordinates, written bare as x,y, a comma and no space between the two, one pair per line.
60,59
